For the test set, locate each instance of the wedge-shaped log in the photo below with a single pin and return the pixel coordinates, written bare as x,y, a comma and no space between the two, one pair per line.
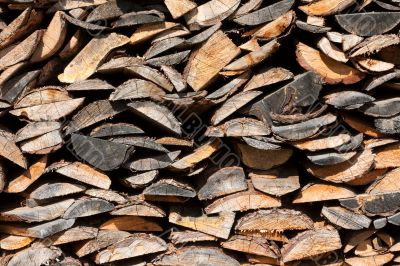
137,89
102,154
330,70
383,108
36,129
345,218
104,239
217,51
346,171
262,159
369,23
140,180
37,214
201,153
268,76
386,183
92,113
169,190
51,190
374,204
243,201
88,207
153,163
78,233
115,129
239,127
147,31
85,63
35,256
265,14
388,125
275,28
323,192
83,173
178,8
348,99
139,208
250,245
326,7
10,150
22,182
276,219
216,225
277,182
39,231
253,58
90,85
388,156
107,195
133,246
15,242
20,26
52,40
213,12
188,236
47,143
131,223
223,182
22,51
157,114
311,243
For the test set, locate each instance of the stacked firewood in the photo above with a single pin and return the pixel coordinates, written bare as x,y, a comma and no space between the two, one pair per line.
210,132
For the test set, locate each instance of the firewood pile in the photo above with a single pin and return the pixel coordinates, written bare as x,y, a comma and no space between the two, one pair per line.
212,132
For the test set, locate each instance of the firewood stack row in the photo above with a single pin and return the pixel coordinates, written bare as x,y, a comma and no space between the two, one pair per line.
212,132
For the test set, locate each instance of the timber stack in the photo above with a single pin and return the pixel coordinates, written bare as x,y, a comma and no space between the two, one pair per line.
207,132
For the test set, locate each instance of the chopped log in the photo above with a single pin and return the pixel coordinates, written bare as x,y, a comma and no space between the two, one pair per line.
353,23
331,50
322,143
223,182
268,76
39,231
87,207
196,255
387,156
157,114
216,225
131,223
187,236
275,28
162,46
139,208
346,171
275,219
35,256
243,201
78,233
277,182
15,242
374,65
107,195
169,190
361,126
83,173
332,71
348,99
240,127
388,125
383,204
262,159
217,51
77,71
37,214
250,245
52,190
10,150
102,154
346,219
179,8
375,44
43,144
22,182
36,129
153,163
98,111
104,239
214,11
133,246
383,108
386,183
323,192
326,7
113,130
90,84
311,243
265,14
141,180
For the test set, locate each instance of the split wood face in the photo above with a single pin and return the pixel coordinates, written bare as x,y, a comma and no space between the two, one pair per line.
213,132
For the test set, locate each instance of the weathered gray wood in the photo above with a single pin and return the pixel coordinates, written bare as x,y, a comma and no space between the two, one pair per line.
102,154
345,218
140,142
87,207
140,180
115,129
169,190
154,163
134,89
369,23
36,129
137,18
348,99
388,125
35,256
265,14
383,108
55,189
139,208
89,85
223,182
239,127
